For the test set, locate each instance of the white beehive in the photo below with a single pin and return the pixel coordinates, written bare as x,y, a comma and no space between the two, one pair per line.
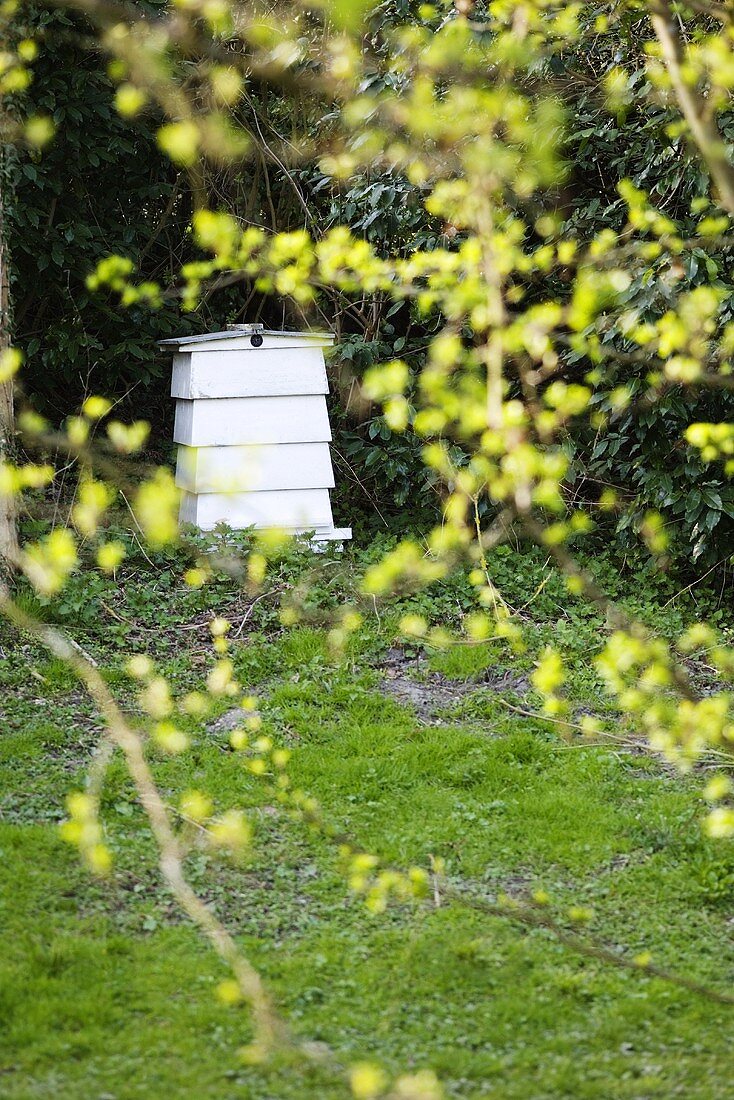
253,430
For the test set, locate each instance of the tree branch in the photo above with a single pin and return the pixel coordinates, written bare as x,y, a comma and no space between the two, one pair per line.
701,123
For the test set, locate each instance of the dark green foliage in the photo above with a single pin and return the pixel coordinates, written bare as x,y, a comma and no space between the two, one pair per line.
384,468
643,452
382,472
101,186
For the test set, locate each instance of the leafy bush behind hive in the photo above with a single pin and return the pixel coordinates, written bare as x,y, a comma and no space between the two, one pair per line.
642,451
100,185
104,186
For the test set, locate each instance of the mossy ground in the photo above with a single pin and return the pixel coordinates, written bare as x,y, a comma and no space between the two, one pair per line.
107,992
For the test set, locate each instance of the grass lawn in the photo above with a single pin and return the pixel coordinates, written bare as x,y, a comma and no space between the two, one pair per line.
107,993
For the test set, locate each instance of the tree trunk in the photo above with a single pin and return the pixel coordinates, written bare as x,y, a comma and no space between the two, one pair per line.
8,529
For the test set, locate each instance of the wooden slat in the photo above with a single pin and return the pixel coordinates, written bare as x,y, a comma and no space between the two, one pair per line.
237,420
254,469
260,372
290,509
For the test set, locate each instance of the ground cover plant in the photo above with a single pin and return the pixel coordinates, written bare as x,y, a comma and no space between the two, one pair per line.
105,990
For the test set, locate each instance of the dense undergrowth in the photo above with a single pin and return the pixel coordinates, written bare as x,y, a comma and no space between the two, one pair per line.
105,991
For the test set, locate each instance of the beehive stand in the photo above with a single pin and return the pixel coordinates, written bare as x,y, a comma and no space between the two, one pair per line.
253,430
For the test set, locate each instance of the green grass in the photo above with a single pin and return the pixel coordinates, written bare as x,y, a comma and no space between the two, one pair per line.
107,992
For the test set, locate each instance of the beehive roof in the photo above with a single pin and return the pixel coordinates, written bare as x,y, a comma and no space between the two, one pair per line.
238,331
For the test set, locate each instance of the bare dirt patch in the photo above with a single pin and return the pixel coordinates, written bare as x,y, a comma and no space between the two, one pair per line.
411,681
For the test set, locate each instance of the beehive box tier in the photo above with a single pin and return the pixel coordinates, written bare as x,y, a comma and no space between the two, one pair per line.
266,372
239,420
254,469
287,509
